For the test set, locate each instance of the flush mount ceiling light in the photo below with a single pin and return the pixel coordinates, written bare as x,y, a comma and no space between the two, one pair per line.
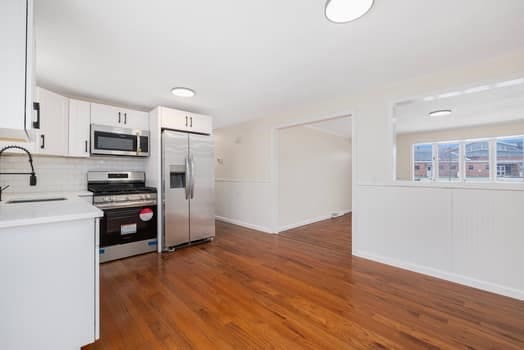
183,92
440,113
343,11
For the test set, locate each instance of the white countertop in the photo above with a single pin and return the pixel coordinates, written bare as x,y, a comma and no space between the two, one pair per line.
22,214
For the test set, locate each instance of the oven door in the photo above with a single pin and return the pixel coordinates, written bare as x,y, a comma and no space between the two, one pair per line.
119,141
126,225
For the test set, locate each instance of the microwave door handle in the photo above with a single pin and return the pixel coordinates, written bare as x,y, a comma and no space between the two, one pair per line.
138,150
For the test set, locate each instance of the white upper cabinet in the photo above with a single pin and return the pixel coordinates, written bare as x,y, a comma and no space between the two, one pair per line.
185,121
119,117
200,123
174,119
79,128
135,119
16,68
52,136
105,115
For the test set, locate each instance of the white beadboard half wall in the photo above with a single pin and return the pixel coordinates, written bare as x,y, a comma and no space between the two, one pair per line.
469,236
60,174
245,203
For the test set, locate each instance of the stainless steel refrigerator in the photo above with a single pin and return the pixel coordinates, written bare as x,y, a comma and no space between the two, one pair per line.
188,184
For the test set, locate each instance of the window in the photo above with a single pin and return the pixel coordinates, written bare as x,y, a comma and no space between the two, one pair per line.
476,160
423,162
488,160
448,160
510,159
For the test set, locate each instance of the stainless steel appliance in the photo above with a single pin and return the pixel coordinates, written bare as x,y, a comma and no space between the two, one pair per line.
119,141
129,225
188,188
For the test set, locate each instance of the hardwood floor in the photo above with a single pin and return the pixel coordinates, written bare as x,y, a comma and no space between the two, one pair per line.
299,290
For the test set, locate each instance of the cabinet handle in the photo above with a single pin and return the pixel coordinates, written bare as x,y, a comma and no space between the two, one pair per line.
36,123
125,118
191,123
186,120
86,145
119,118
42,137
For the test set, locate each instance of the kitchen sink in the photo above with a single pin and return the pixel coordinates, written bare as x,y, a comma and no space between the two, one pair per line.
36,200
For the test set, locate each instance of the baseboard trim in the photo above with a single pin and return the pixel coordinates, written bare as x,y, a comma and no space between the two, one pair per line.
311,221
245,224
448,276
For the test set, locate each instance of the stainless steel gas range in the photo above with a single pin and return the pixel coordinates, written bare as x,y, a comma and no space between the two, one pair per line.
129,225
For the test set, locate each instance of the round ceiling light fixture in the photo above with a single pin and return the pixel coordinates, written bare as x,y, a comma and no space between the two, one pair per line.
343,11
183,92
440,113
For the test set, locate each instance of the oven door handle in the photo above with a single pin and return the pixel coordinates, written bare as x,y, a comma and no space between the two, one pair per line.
135,204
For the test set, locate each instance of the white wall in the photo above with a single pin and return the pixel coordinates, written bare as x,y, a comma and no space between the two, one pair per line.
373,176
314,176
59,174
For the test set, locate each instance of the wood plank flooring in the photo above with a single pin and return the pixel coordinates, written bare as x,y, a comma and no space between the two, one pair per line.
299,290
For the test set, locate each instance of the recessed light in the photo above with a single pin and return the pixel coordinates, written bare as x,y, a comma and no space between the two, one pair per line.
429,98
343,11
183,92
440,113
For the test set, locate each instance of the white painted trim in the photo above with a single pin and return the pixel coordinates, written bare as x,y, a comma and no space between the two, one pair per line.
245,224
242,181
275,145
452,277
312,221
326,131
452,185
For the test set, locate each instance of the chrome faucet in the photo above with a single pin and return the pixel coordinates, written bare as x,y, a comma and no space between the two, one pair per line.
32,175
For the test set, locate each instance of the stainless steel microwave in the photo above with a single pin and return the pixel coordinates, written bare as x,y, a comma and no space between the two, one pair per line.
119,141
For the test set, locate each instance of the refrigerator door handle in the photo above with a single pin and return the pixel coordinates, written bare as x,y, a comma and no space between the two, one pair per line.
187,178
192,176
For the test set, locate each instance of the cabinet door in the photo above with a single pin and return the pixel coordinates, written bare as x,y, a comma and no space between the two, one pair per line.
52,137
106,115
16,60
79,127
200,123
135,119
174,119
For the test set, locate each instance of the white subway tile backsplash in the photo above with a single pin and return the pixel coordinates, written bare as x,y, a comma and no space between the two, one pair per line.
60,174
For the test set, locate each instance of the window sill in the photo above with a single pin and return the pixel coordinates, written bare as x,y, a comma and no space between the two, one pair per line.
497,186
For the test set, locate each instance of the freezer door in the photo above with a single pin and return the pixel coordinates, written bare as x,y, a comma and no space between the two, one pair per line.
176,187
202,203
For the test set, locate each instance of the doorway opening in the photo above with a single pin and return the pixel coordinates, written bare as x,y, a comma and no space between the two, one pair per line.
315,182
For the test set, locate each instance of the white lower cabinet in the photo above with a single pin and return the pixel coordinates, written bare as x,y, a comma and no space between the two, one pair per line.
49,285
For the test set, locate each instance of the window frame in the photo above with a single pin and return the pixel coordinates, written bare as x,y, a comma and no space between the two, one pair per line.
492,161
432,162
519,180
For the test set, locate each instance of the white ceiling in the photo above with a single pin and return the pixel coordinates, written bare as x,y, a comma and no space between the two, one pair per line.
250,59
338,126
495,104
